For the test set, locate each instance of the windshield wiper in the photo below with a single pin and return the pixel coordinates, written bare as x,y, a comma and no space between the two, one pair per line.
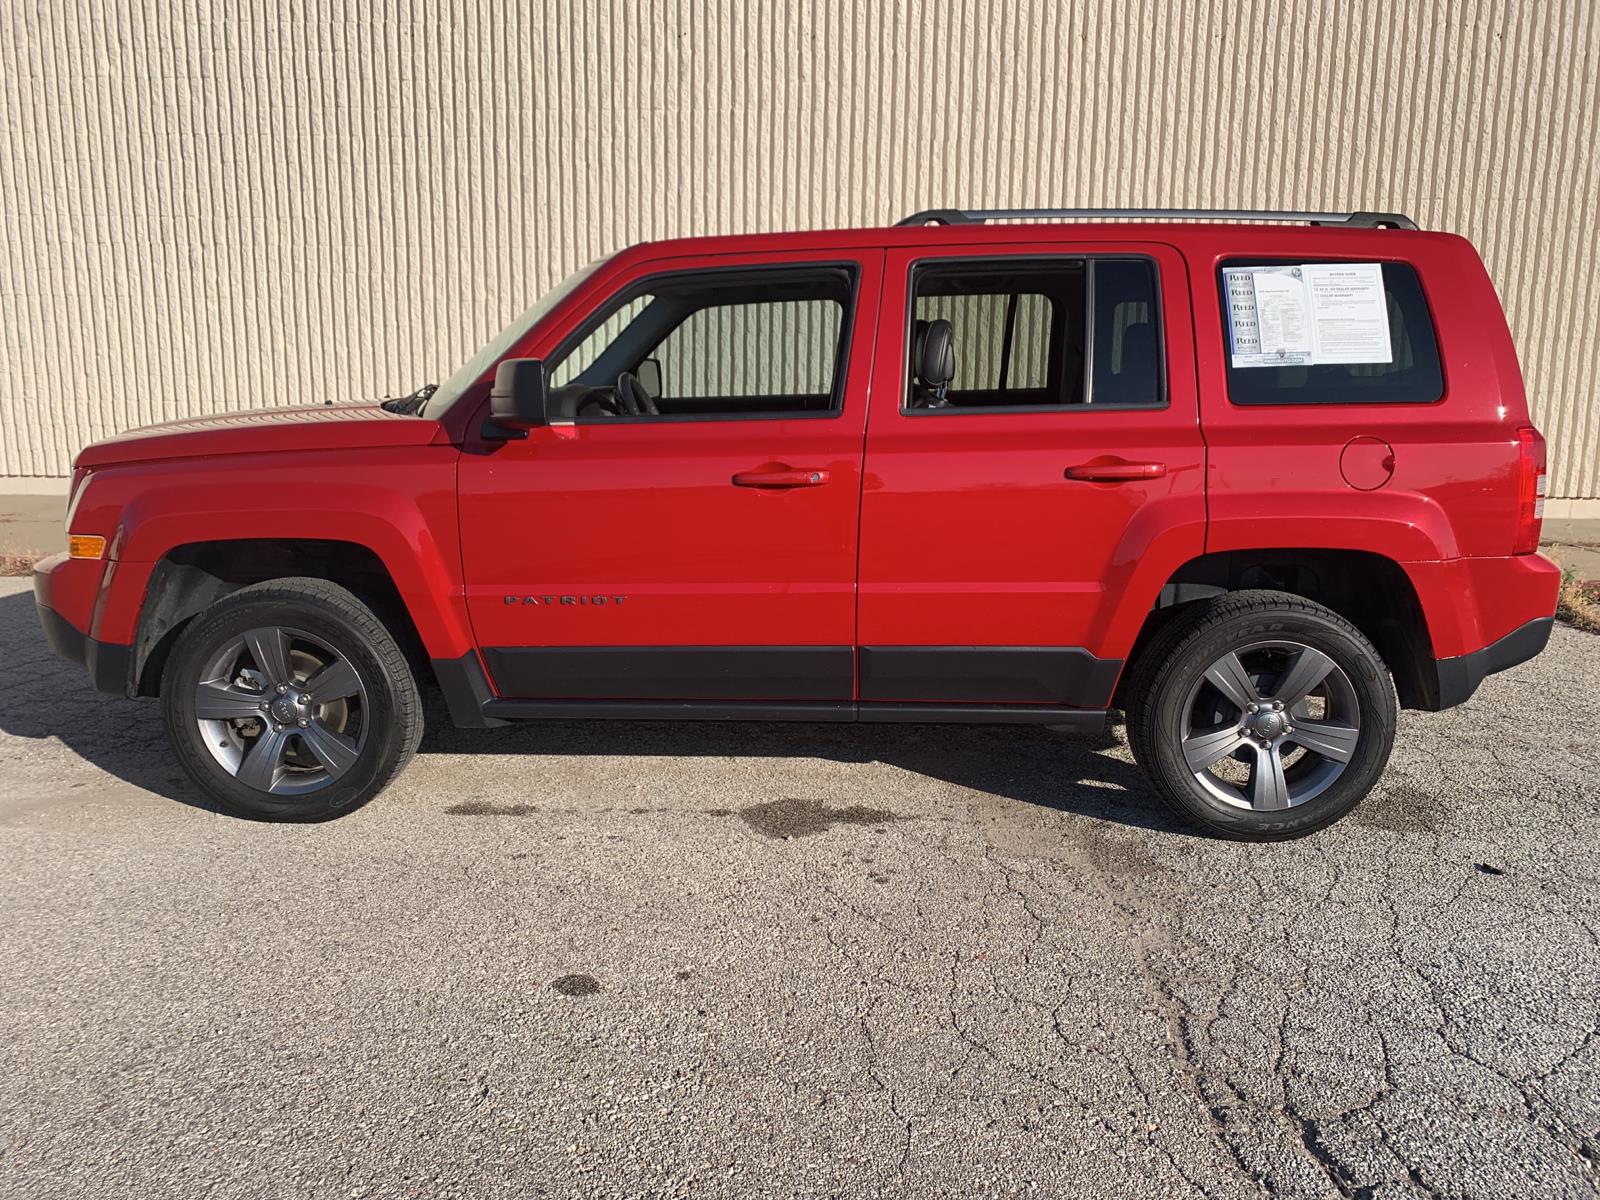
412,403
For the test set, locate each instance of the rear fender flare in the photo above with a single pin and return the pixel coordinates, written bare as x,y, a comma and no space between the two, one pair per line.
1402,526
1162,536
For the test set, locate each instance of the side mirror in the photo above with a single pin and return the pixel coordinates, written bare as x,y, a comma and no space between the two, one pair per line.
517,399
649,377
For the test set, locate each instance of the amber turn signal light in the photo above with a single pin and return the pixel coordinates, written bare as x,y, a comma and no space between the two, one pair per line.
85,545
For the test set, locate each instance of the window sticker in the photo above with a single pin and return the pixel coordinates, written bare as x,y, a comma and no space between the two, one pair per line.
1281,316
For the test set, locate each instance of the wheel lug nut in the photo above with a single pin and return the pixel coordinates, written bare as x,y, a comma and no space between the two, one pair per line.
304,722
282,688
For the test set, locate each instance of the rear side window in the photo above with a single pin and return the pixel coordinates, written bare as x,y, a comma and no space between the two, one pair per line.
1325,332
1005,334
1126,364
1046,333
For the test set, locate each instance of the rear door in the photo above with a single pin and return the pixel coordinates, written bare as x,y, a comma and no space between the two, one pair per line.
1005,525
706,552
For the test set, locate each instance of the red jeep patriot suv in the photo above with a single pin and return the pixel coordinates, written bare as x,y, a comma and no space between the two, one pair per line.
1256,484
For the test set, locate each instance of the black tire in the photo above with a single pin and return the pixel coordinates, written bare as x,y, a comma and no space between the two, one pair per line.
390,712
1175,662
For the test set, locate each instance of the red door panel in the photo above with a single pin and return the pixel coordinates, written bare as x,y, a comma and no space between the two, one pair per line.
712,533
990,535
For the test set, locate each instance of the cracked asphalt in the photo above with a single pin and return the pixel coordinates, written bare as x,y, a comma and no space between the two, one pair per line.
797,961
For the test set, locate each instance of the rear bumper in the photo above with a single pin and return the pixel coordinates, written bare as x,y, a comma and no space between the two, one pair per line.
1471,603
1483,615
1459,677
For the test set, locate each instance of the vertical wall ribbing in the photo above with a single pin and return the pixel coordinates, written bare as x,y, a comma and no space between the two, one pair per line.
205,205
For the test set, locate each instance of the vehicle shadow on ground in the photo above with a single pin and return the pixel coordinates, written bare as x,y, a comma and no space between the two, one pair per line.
42,697
1066,772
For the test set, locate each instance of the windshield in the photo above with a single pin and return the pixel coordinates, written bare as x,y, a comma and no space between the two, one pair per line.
495,348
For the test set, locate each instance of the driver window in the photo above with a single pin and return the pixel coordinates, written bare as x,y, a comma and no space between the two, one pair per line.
782,348
584,354
740,343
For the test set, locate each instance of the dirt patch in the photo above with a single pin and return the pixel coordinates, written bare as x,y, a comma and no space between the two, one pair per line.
482,808
576,985
17,564
1116,854
1400,808
795,817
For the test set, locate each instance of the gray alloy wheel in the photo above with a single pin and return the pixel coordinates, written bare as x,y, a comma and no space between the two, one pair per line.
290,700
1260,714
1270,726
281,711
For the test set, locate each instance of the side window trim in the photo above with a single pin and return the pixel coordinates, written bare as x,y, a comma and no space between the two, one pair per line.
1008,340
1091,306
1089,259
641,285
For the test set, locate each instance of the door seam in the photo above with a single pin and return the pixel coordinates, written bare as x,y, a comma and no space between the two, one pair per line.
861,484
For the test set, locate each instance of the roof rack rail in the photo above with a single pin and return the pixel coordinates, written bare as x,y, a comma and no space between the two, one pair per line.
977,216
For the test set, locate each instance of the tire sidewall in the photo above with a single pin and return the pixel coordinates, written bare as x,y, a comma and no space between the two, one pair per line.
202,640
1355,658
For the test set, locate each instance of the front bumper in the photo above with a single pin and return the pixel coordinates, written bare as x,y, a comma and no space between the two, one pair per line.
61,583
108,664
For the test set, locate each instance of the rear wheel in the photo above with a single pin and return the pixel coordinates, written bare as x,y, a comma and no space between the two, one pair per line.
290,701
1261,715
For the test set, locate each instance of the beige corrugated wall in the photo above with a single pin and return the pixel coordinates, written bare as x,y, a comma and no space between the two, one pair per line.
246,202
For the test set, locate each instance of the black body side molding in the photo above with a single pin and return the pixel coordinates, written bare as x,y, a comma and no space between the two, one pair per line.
1067,675
466,689
1047,685
778,673
832,711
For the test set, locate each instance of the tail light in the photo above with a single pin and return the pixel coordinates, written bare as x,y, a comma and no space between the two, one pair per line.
1530,489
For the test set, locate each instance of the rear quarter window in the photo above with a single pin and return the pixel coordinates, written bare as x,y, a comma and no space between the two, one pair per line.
1356,370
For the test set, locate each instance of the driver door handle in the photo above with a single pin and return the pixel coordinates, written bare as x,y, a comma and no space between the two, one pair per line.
784,477
1117,472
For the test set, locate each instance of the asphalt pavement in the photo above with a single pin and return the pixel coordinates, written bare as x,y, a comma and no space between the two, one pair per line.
722,960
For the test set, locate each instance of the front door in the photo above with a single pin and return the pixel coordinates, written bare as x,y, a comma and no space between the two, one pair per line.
690,533
1010,512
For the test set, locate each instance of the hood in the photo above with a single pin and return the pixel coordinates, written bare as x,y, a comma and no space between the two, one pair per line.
265,430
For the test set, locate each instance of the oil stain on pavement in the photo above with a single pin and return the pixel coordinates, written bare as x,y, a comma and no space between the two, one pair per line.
796,817
482,808
576,985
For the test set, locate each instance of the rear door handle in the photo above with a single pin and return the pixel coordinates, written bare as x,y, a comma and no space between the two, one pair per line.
1117,472
764,477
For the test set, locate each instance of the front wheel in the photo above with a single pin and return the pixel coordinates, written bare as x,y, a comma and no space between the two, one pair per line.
1261,715
290,701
